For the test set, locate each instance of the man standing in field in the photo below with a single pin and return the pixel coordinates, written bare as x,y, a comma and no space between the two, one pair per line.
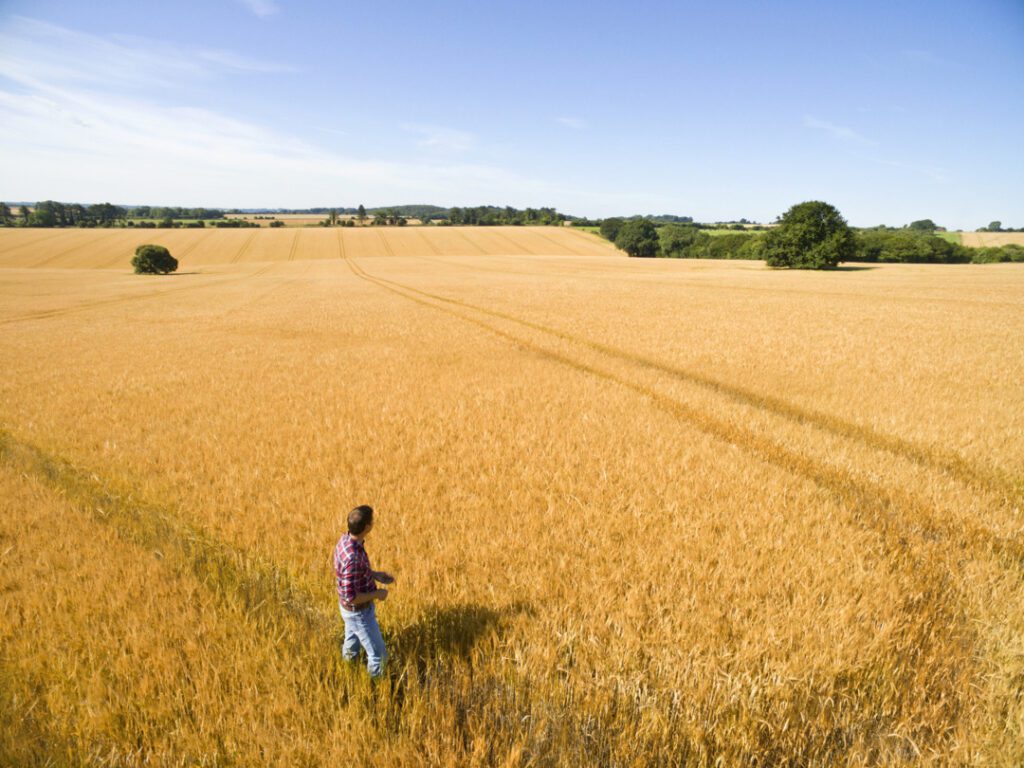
357,592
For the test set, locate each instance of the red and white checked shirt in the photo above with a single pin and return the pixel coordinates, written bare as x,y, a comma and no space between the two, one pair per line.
352,569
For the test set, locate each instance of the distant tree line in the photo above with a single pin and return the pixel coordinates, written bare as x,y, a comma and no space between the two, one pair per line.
50,213
492,215
163,212
997,226
810,234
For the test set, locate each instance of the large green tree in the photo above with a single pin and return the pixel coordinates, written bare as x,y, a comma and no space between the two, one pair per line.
811,235
610,228
638,237
153,260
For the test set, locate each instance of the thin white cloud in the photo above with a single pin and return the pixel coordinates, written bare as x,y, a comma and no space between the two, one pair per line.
839,132
77,127
440,138
261,8
572,122
36,52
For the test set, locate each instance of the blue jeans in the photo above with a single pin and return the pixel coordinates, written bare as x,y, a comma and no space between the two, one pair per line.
362,630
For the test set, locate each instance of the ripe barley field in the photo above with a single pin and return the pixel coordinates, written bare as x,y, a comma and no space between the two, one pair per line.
991,239
640,512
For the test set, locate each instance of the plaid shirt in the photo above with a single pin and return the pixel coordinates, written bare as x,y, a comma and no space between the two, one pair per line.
352,569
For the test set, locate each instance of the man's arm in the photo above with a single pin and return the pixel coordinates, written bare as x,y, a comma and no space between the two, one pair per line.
368,597
383,577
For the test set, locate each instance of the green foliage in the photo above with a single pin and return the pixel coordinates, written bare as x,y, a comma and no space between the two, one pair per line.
276,223
610,228
638,238
1012,252
490,215
174,212
923,225
235,224
907,246
679,240
153,260
994,226
810,235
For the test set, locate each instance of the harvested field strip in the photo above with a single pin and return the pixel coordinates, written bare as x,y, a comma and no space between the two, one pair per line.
952,464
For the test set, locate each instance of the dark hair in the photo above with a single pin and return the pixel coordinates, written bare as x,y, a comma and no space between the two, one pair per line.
359,518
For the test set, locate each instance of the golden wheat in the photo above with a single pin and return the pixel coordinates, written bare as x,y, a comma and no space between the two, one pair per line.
640,512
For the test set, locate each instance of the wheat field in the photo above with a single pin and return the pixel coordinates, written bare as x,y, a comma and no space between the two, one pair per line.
640,512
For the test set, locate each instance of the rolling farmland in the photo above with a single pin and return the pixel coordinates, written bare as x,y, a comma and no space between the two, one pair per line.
640,511
991,239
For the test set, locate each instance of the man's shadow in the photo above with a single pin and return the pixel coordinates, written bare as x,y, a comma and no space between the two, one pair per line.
450,631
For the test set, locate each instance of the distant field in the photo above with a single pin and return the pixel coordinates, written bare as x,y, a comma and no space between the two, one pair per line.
992,239
717,232
289,219
642,512
113,248
952,237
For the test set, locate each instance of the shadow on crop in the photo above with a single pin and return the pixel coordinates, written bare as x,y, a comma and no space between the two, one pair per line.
451,630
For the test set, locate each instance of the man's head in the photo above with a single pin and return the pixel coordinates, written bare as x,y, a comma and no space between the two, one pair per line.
360,520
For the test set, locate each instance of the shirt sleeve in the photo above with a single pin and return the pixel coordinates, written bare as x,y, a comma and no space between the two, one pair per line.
347,580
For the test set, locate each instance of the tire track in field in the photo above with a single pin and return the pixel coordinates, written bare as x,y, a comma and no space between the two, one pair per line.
956,466
426,241
935,616
60,311
278,605
844,485
605,276
54,256
264,588
384,242
295,246
521,250
286,283
36,241
341,246
560,245
245,246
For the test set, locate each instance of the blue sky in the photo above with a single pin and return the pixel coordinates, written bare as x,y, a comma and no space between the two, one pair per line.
892,111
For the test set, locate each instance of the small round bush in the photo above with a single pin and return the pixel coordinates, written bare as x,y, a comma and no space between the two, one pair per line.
153,260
